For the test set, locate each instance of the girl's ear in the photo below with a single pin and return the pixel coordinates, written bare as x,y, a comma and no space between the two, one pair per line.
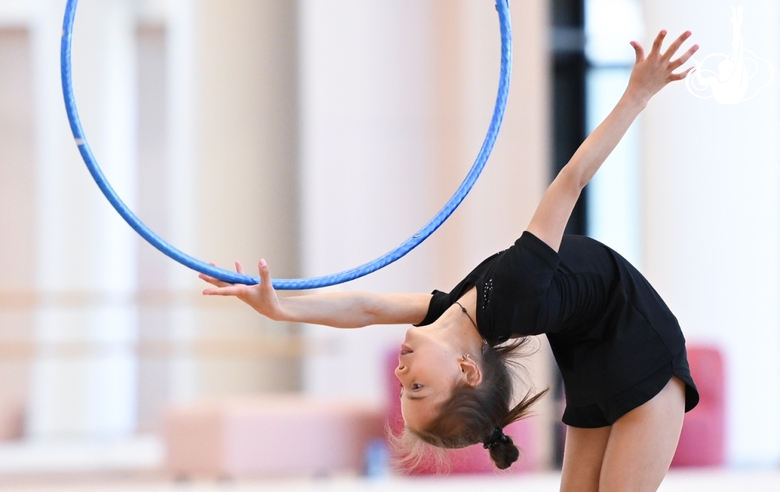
470,371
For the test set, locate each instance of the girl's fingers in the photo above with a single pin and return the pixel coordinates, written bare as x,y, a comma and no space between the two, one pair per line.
676,45
213,281
208,279
265,274
681,75
231,290
236,290
658,42
640,52
684,58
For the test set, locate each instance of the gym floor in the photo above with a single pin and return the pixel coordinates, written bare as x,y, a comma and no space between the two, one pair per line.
136,465
676,481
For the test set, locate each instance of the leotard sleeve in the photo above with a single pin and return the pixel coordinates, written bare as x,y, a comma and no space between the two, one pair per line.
520,295
441,301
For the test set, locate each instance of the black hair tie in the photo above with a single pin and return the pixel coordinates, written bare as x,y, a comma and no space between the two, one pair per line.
495,438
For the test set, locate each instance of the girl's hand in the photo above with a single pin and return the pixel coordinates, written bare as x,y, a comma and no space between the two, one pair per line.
261,297
653,72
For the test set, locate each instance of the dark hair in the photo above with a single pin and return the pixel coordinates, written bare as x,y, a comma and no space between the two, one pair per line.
473,413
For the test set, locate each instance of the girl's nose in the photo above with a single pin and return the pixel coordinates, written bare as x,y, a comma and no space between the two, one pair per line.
400,369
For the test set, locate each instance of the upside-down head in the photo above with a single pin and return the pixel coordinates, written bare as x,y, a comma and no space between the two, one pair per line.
462,401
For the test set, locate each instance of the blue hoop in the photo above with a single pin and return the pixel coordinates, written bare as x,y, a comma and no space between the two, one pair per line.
502,6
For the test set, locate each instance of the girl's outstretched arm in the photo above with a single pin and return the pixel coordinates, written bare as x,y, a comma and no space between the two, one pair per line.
337,309
650,75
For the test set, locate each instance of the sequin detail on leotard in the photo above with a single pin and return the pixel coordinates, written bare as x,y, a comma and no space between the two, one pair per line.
486,289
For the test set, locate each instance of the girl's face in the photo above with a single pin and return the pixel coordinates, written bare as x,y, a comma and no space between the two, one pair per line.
428,368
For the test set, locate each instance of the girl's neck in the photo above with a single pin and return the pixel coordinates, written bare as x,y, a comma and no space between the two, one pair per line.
457,328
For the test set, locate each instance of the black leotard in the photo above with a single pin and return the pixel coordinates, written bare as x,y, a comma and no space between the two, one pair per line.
615,341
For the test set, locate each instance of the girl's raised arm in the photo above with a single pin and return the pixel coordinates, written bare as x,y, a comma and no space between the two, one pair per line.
337,309
650,75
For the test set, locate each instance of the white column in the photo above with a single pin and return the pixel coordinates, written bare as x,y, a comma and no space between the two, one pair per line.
712,208
366,106
242,174
180,195
17,214
83,376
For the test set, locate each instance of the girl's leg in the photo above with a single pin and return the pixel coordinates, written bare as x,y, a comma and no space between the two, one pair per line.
642,442
582,458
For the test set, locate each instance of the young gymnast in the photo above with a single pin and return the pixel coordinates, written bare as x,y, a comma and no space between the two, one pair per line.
619,349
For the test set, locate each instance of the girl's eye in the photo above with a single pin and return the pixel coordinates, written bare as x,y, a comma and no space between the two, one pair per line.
413,387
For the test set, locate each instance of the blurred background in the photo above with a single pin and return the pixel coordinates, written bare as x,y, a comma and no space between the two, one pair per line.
319,134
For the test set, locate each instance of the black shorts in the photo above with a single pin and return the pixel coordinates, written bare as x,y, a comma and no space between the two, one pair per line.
608,411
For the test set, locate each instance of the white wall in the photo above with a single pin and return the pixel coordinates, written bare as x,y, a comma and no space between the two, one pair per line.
712,217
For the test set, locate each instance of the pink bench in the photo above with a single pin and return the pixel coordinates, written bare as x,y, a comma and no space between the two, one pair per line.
268,436
702,442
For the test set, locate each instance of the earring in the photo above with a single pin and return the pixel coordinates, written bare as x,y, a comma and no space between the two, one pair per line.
464,357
